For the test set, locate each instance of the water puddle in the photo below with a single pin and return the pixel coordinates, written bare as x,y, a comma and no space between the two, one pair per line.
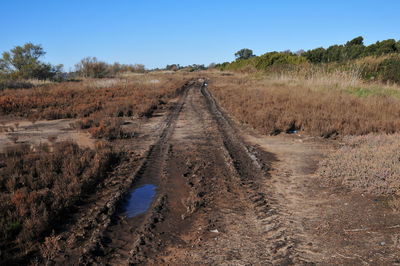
140,200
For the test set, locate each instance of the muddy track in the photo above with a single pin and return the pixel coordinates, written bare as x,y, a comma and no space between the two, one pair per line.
213,205
222,213
251,165
121,239
84,236
221,199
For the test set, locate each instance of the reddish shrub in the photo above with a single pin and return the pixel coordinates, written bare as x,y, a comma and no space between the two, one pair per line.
39,184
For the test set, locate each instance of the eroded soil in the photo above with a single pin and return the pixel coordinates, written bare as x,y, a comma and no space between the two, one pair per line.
227,196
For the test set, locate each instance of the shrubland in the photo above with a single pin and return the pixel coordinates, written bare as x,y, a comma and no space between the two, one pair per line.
39,186
348,92
379,61
362,116
98,104
115,98
319,105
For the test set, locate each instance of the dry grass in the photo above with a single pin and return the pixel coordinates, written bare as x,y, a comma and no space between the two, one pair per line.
98,103
39,184
322,104
367,164
122,97
319,78
325,104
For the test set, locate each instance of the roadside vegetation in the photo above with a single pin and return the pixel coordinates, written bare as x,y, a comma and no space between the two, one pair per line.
349,89
41,185
324,105
97,103
348,92
379,61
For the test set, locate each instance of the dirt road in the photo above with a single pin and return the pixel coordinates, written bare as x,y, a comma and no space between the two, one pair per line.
223,199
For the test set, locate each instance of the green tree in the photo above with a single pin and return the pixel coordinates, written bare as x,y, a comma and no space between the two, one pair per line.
316,55
334,53
382,47
23,62
356,41
244,54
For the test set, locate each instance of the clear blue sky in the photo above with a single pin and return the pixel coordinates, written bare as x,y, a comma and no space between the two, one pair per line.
156,33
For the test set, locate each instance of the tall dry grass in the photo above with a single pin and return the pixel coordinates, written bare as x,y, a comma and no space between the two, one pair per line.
321,104
318,78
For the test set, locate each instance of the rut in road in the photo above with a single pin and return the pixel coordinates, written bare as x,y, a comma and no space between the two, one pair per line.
119,239
212,206
85,240
237,205
219,203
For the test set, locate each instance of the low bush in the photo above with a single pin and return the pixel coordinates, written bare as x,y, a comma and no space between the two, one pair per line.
389,69
107,128
384,68
39,184
15,84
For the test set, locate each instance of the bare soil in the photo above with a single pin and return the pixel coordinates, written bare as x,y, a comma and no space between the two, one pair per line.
18,131
226,196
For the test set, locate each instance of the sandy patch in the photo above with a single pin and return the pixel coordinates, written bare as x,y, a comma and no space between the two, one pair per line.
42,131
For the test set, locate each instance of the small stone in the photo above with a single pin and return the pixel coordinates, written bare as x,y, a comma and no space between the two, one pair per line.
383,243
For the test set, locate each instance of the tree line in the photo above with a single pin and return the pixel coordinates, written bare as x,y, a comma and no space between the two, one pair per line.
353,49
385,65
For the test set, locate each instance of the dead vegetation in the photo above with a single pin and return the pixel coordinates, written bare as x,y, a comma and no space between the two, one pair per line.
124,97
39,185
363,115
98,104
325,106
368,164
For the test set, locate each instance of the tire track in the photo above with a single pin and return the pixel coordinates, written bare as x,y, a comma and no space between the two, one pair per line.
210,181
280,245
87,242
233,218
121,240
